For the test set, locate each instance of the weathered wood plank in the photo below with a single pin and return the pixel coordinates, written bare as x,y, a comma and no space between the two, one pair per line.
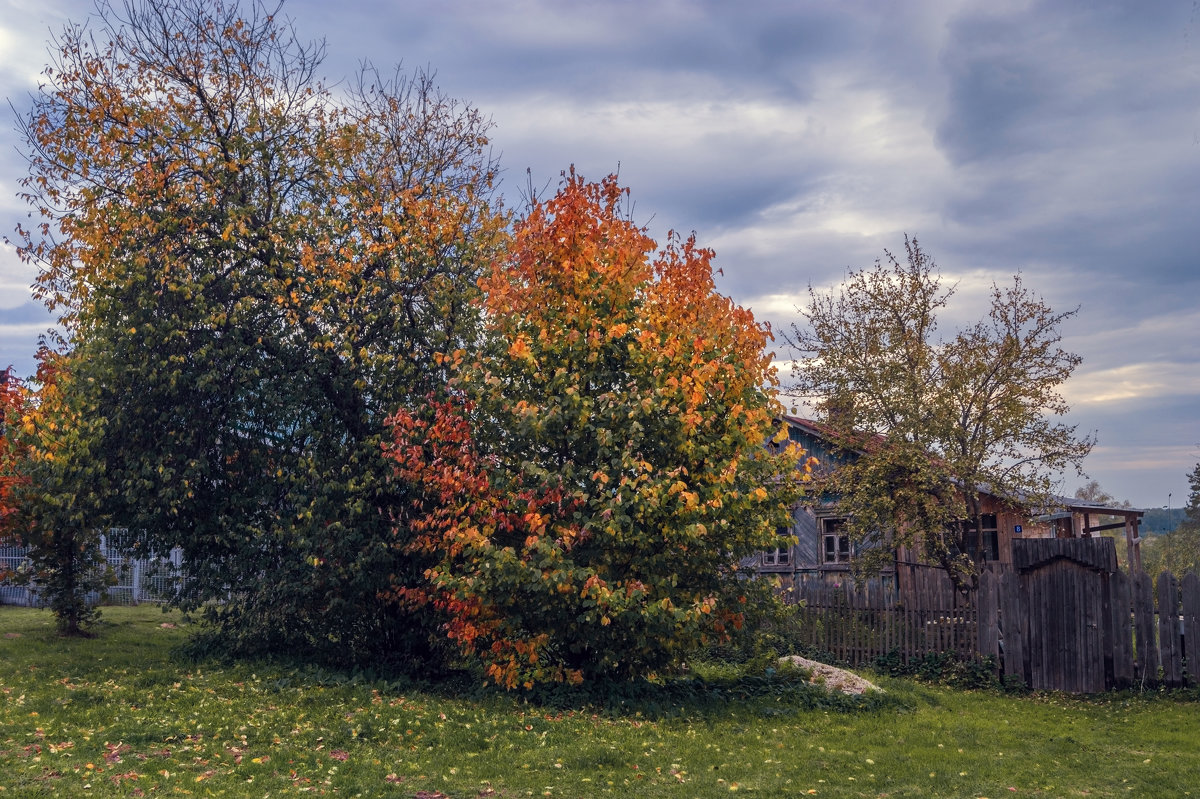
1146,669
1107,639
1190,588
1122,630
1170,651
1011,634
1097,620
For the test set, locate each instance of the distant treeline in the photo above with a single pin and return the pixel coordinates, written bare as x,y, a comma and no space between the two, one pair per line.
1158,521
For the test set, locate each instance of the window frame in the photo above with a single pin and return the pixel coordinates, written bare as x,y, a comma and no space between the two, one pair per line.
835,543
983,545
779,556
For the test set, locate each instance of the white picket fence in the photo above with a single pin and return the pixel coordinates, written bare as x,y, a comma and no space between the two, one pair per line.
138,578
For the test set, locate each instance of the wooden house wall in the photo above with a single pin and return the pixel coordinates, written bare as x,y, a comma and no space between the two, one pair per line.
805,562
815,447
807,549
1006,525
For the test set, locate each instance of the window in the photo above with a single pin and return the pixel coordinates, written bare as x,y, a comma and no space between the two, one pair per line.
983,544
778,557
835,542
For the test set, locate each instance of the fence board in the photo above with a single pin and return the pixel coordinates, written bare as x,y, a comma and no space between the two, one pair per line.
1190,589
1107,634
986,605
1170,652
1122,630
1145,647
1012,619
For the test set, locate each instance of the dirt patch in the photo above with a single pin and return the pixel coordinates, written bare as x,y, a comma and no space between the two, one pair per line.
833,678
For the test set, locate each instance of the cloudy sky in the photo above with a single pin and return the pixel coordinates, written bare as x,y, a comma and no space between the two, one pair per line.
799,139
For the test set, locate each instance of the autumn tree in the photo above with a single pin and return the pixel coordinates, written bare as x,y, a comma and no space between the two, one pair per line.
12,405
13,399
253,273
932,423
45,510
603,467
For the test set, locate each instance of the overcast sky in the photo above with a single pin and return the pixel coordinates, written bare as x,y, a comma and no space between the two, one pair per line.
800,139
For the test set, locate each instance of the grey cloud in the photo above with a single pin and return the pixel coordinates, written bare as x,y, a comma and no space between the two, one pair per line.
614,49
1059,138
28,313
1042,78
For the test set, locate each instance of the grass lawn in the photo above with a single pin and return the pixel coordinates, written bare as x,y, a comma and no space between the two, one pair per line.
119,715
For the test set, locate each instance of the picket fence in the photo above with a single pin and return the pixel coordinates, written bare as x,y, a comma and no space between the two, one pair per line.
1061,617
133,578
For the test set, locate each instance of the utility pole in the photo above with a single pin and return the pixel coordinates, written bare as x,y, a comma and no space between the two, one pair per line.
1170,533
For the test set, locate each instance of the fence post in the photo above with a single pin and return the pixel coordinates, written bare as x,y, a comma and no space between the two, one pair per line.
1012,629
986,618
1122,632
1190,586
1168,630
1107,641
1144,629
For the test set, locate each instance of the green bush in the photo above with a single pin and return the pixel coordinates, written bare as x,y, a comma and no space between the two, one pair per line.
945,668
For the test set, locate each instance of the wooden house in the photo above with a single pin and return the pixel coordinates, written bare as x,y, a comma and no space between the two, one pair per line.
821,552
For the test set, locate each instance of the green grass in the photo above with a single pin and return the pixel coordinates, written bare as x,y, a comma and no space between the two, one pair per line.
119,715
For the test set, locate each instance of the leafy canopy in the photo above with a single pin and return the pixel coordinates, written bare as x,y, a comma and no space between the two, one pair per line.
253,273
51,492
601,469
935,423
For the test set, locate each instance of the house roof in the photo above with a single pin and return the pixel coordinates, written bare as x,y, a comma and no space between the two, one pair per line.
1083,506
1067,505
824,431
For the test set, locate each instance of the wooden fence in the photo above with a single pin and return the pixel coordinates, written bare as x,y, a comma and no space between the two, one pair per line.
858,626
1061,618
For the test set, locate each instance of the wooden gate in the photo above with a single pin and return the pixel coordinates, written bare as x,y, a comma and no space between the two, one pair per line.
1053,614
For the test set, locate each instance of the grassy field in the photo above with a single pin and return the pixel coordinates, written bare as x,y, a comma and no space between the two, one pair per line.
119,715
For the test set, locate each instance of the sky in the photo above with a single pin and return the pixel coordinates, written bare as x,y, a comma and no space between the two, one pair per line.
799,140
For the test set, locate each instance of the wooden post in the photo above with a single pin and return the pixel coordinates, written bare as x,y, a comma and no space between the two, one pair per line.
1134,549
1106,631
1190,586
1144,630
1122,631
1168,630
1011,628
988,616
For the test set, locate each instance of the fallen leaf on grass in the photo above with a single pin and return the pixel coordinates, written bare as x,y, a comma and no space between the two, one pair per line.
114,751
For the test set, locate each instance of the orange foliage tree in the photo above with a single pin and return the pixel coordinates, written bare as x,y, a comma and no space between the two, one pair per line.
253,273
50,492
13,399
592,486
12,406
